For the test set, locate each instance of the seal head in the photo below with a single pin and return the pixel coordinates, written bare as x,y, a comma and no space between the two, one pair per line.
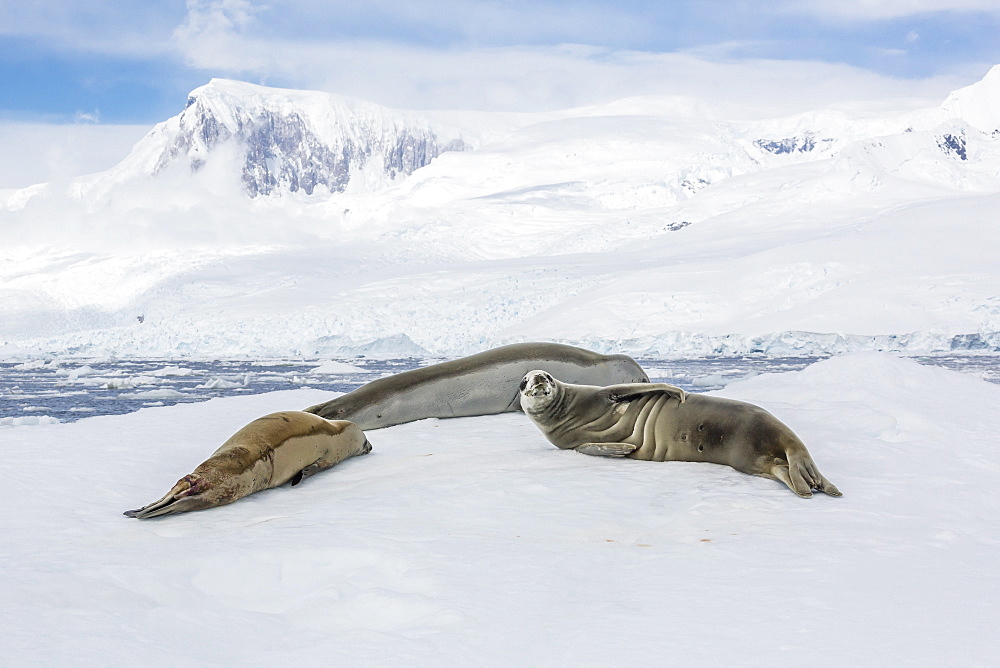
536,388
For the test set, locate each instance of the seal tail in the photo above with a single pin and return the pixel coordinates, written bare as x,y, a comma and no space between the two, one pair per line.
801,474
324,410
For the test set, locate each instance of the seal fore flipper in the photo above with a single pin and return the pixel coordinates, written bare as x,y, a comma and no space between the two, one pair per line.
606,449
628,391
310,470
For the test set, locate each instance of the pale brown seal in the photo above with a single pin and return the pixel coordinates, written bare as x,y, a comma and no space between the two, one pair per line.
268,452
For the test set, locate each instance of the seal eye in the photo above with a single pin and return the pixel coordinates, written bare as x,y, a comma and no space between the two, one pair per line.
524,384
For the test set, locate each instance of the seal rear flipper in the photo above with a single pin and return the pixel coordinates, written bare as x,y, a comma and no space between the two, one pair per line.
793,479
802,476
163,506
606,449
819,481
828,487
168,505
186,495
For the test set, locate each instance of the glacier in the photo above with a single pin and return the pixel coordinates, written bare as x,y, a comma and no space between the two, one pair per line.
269,222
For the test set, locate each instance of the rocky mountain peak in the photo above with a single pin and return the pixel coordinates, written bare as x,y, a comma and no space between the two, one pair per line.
291,141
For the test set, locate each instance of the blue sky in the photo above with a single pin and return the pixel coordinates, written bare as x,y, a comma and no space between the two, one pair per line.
133,61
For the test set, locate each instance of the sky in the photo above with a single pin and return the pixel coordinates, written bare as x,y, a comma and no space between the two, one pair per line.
134,61
81,82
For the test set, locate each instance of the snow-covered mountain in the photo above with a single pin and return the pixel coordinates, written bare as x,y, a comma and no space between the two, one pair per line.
286,141
273,222
290,141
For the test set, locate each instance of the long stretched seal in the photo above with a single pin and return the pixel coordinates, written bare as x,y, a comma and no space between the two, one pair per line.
268,452
481,384
660,422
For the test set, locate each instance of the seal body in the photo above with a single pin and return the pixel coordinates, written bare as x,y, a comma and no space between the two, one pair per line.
270,451
661,422
481,384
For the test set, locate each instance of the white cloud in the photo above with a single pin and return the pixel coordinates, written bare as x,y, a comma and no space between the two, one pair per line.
225,37
214,18
536,78
101,26
211,35
86,117
867,10
55,153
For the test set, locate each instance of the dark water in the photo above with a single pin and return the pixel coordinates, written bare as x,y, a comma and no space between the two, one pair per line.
69,390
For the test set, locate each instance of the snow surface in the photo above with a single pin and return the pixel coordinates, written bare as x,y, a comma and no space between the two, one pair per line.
652,226
474,542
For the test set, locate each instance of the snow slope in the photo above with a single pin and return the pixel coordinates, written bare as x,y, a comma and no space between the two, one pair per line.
474,541
649,225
